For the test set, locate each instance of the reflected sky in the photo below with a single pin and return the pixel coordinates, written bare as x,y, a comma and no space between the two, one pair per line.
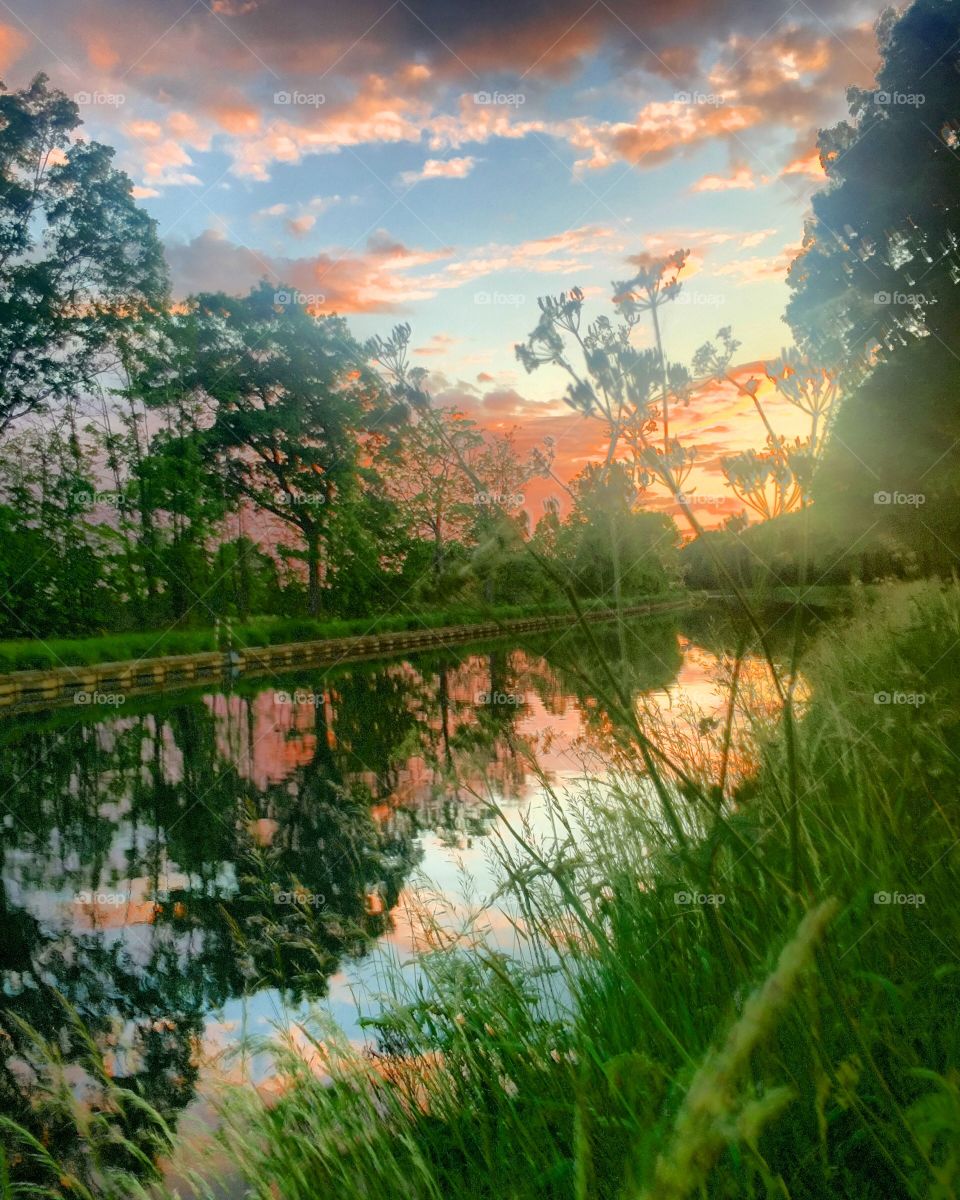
208,866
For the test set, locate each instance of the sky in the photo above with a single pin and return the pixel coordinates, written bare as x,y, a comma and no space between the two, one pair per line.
447,163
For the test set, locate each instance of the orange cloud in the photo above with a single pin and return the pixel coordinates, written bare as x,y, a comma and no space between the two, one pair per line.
12,45
808,165
350,284
742,179
102,52
660,130
294,128
237,117
160,149
754,270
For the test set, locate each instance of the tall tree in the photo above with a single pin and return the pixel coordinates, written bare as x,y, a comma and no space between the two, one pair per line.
294,411
54,559
880,253
875,287
78,258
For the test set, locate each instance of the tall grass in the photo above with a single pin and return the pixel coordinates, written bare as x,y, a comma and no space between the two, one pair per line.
680,1019
94,1139
761,1039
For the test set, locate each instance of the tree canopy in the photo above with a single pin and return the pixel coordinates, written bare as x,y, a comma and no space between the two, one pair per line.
78,259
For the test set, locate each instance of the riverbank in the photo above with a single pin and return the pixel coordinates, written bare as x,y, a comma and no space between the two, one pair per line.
27,654
107,685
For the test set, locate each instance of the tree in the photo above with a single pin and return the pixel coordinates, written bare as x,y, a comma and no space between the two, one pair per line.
880,253
426,479
246,577
294,409
183,503
453,479
78,259
875,288
54,560
501,523
604,534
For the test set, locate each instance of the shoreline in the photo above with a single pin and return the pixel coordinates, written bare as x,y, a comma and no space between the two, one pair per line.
102,683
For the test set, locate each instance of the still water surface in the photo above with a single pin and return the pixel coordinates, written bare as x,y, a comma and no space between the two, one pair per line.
192,868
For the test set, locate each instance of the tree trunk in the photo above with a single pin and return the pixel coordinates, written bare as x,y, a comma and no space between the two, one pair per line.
437,554
313,571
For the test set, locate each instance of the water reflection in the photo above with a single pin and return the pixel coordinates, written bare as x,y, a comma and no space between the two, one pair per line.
199,848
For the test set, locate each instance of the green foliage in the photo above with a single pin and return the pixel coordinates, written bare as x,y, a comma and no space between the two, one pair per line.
605,540
23,654
875,291
54,565
823,545
78,260
294,404
880,253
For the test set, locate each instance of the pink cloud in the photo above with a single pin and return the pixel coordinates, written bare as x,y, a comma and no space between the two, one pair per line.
440,343
440,168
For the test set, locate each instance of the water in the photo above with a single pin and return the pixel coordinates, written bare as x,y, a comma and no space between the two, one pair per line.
197,866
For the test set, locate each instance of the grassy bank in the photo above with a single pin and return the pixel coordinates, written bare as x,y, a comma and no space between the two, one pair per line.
23,655
760,1040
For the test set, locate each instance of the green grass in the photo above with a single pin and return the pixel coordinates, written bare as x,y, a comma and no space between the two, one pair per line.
783,1042
23,655
793,1037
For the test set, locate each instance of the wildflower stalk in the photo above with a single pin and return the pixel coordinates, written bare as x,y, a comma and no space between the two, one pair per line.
702,1126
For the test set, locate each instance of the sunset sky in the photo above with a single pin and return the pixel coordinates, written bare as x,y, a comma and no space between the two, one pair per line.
446,163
